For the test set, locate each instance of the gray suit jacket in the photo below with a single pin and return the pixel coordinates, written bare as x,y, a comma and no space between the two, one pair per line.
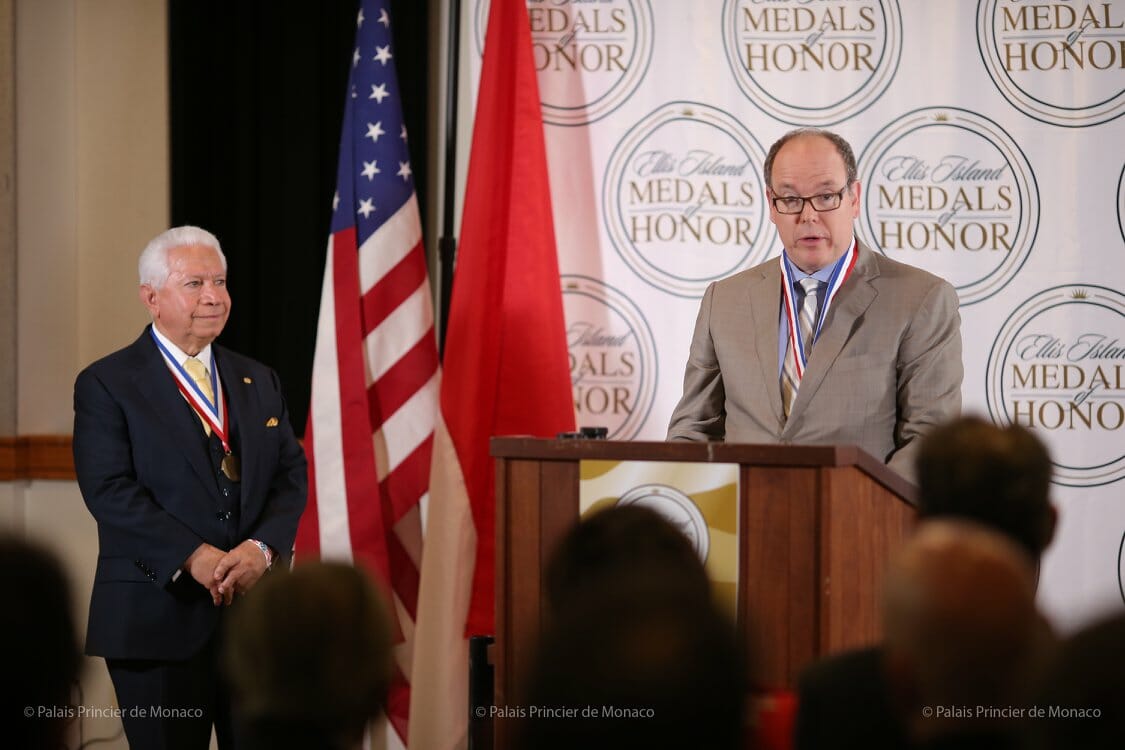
886,368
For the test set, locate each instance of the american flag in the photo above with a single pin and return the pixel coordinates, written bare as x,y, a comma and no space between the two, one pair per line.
375,371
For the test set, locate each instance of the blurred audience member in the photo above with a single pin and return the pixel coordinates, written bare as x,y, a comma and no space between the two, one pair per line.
1084,694
997,476
42,661
636,654
968,469
627,540
964,641
843,703
309,659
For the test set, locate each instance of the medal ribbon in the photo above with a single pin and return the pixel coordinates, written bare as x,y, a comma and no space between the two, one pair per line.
214,414
839,275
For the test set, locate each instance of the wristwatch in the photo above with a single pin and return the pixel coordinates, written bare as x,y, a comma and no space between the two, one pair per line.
265,548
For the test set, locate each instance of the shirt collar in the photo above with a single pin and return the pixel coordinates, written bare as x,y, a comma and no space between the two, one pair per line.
178,354
824,275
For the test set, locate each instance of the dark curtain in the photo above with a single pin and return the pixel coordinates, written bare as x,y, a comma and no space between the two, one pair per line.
256,99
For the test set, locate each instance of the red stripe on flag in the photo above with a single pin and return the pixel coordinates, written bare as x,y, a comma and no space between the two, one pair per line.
396,286
398,702
410,479
368,537
404,576
399,492
308,530
404,378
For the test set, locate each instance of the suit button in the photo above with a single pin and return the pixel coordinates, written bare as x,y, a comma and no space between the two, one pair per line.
226,493
223,515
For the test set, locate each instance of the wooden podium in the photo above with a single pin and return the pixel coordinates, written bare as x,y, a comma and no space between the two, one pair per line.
817,525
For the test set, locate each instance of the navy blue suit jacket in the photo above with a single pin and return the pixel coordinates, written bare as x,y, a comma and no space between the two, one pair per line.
143,467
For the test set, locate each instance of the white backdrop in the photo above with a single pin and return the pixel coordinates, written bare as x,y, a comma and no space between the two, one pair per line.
991,150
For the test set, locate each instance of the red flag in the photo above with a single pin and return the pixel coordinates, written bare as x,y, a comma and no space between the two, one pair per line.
505,369
375,370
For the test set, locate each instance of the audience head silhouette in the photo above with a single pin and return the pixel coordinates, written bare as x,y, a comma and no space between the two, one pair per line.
1087,686
42,662
309,658
635,655
997,476
625,540
962,629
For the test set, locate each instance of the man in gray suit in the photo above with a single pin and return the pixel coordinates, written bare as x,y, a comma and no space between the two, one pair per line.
830,344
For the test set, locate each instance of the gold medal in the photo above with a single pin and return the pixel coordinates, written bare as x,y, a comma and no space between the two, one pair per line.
230,467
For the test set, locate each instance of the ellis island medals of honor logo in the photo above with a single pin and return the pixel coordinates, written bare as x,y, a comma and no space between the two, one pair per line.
812,63
682,198
949,191
607,43
1057,367
612,351
1059,62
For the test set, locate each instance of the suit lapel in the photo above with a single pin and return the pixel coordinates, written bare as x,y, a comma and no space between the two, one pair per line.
157,385
852,301
765,307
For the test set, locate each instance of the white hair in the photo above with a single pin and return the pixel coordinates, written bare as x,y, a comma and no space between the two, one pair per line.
153,263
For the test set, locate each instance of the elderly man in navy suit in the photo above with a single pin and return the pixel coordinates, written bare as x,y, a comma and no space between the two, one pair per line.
188,463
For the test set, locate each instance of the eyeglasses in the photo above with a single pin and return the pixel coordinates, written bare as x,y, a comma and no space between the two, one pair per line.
794,204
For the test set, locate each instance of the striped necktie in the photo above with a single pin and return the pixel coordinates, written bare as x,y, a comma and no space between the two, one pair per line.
198,373
806,320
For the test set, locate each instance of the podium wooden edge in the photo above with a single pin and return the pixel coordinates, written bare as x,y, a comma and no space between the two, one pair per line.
545,449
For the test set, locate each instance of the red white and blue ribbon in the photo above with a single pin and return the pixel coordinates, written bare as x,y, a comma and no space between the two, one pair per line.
213,413
839,275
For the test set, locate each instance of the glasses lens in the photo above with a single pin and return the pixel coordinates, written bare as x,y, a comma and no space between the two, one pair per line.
789,205
826,202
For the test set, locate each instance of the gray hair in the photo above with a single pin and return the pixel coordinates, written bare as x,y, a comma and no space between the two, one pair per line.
153,263
842,147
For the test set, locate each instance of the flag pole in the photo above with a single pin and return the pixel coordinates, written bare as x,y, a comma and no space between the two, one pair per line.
447,243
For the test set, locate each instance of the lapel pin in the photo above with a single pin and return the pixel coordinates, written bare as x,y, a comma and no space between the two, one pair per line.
271,422
248,381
